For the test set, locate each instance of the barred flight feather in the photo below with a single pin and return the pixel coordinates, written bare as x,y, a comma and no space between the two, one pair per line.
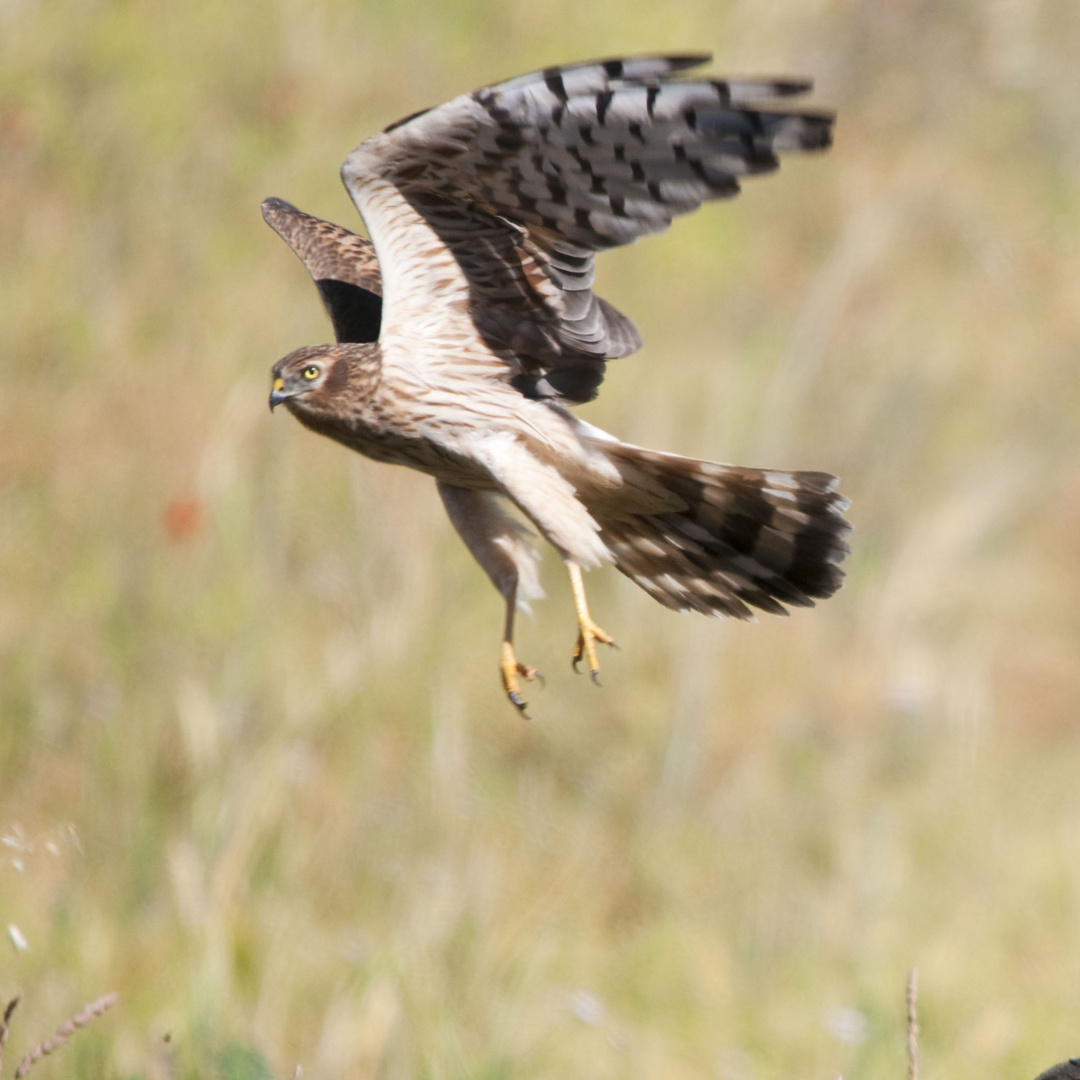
524,181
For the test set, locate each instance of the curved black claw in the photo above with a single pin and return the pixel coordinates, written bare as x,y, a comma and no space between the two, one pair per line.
519,703
575,660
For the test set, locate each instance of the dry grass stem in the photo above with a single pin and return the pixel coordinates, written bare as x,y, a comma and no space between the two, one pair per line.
4,1028
63,1032
913,1024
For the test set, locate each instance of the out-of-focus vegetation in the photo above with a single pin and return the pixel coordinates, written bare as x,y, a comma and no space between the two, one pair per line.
256,772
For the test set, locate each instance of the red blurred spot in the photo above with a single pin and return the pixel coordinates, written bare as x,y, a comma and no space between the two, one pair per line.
183,518
280,99
19,129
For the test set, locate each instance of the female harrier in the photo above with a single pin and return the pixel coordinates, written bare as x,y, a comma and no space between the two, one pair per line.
462,344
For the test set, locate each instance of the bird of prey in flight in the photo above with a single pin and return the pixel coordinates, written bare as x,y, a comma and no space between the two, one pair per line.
467,327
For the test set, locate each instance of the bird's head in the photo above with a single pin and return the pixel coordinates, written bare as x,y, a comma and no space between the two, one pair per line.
311,373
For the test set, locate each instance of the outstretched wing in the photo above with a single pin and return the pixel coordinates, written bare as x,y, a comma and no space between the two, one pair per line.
524,181
342,264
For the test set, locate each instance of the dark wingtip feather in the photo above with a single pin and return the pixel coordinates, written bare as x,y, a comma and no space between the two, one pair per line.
684,61
790,87
646,65
815,131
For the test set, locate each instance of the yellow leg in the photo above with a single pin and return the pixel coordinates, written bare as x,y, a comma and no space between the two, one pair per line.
510,670
588,632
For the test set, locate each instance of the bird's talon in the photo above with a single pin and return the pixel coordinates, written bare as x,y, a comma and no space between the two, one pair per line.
588,634
512,672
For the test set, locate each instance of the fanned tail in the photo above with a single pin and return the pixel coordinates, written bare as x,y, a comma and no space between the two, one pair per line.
725,539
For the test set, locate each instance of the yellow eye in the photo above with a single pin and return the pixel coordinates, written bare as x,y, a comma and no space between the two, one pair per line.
311,372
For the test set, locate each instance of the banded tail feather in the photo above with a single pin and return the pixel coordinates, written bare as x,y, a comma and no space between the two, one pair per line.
738,539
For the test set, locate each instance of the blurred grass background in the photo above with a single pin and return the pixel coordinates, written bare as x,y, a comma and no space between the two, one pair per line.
256,772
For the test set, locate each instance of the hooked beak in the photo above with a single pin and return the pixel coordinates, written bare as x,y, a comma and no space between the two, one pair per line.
277,394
